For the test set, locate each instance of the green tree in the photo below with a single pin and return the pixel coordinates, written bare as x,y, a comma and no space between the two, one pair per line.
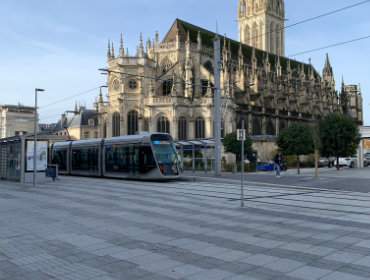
339,136
296,140
232,145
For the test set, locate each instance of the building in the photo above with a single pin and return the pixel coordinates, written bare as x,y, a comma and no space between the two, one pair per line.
16,120
167,85
82,124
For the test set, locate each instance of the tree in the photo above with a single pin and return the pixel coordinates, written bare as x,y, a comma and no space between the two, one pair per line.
232,145
296,140
339,136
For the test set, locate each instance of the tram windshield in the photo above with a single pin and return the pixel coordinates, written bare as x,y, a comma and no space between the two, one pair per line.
165,152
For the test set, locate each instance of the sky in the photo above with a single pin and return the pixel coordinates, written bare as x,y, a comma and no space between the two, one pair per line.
59,45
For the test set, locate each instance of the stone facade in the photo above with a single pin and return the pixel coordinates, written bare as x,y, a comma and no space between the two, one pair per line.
261,24
16,120
83,124
167,85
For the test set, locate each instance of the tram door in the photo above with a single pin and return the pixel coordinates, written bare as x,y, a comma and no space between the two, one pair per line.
133,160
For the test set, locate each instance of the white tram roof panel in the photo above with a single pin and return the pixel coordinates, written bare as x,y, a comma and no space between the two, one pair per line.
87,142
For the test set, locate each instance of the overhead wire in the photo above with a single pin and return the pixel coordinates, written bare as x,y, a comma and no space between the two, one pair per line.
69,97
330,46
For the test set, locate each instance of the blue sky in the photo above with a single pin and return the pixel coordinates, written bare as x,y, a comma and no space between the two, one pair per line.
59,45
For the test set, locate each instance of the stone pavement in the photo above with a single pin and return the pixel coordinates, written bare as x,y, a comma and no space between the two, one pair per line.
350,179
88,228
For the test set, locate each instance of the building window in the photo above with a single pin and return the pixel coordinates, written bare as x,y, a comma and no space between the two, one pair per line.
166,65
132,84
163,125
96,134
116,120
86,135
132,123
199,127
182,128
105,130
204,87
116,85
167,87
209,66
91,122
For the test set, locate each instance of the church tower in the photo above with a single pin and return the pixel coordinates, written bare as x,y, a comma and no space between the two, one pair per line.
261,24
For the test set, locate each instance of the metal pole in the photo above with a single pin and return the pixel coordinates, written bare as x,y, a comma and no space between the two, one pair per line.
35,137
182,158
217,104
242,165
34,141
193,158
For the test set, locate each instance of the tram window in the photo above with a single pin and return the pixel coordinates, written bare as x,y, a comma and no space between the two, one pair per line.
116,159
85,159
60,158
146,159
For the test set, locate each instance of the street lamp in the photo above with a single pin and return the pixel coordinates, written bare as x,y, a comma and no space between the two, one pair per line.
35,137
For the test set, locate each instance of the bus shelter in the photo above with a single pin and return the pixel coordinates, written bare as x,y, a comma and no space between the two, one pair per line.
17,152
196,155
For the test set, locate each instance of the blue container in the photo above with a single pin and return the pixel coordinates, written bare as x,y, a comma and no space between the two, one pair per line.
263,166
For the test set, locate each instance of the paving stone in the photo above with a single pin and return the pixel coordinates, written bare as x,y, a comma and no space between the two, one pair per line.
342,276
309,273
145,230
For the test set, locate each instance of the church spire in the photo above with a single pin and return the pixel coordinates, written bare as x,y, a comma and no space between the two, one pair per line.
112,55
108,52
141,47
121,50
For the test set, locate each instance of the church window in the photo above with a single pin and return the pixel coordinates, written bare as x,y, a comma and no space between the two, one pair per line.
132,84
163,125
204,87
132,126
209,66
182,128
105,130
257,125
270,128
166,65
116,120
167,87
116,85
199,127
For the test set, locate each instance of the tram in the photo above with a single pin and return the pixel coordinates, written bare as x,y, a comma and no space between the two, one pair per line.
147,156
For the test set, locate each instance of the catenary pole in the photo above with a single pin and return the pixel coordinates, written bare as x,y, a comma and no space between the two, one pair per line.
217,104
242,167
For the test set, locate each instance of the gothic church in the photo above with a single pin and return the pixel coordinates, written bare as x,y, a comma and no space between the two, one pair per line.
167,85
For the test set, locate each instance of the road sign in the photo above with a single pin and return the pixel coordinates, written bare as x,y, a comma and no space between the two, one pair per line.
240,134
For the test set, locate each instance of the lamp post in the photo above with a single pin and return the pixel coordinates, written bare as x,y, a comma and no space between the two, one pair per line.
35,137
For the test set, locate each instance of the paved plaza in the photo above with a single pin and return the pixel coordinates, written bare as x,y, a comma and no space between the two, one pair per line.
88,228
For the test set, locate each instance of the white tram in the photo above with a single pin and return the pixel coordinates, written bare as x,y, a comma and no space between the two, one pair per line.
150,156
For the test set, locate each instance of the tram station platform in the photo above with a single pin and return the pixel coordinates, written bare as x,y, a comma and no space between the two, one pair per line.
93,228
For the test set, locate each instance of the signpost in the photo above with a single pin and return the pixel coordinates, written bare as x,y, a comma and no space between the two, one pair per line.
241,137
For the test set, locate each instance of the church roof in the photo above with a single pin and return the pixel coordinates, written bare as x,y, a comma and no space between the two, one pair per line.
79,119
207,39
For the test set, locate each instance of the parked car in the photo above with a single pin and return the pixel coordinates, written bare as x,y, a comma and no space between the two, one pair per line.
323,161
346,161
367,159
